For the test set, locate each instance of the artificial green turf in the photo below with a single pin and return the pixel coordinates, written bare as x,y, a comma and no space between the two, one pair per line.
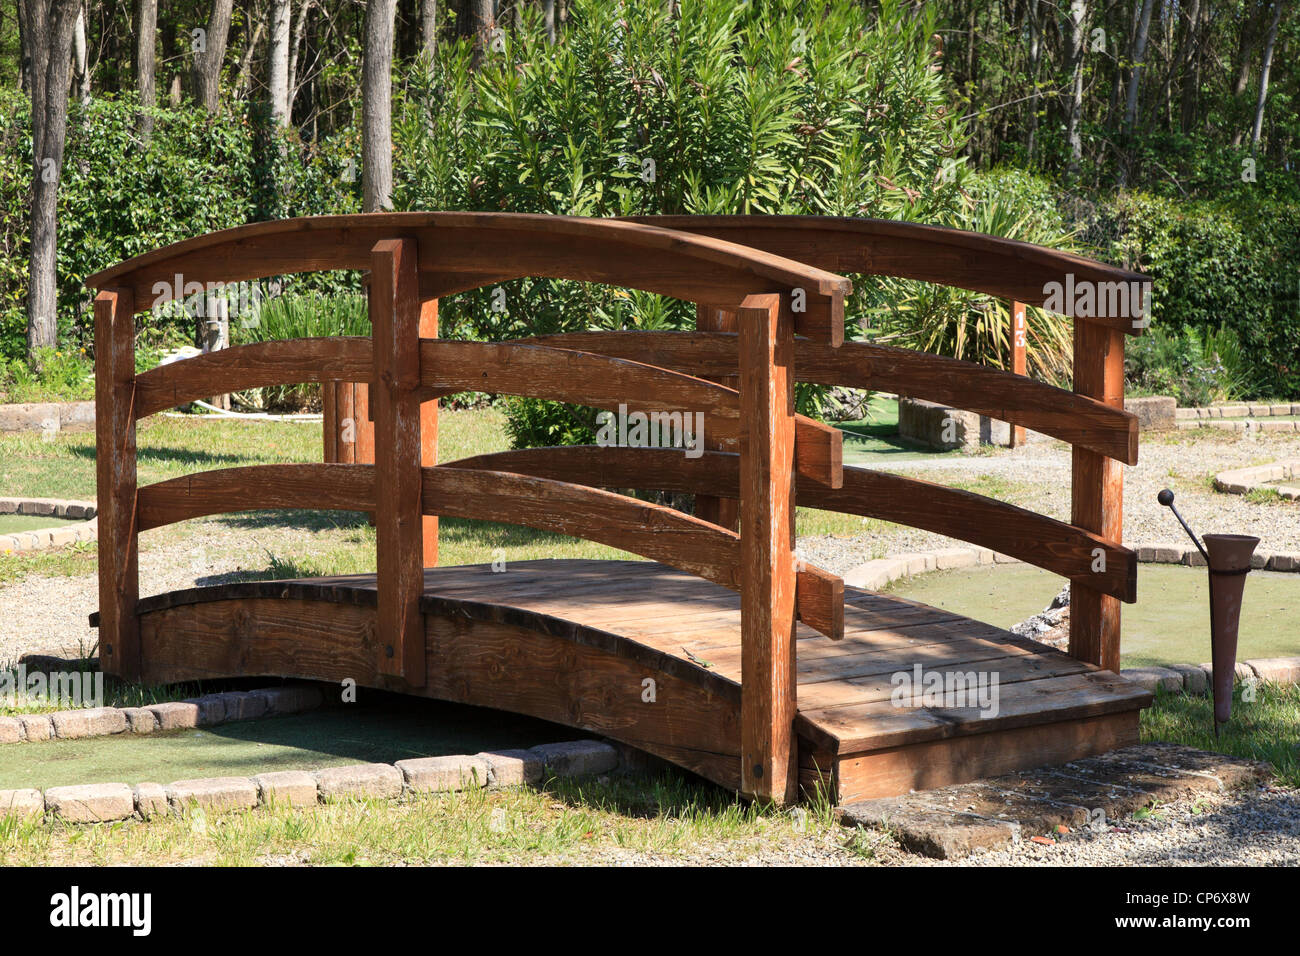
393,728
10,524
1170,624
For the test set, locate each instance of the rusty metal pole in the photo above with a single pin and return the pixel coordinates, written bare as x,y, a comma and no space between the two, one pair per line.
1227,557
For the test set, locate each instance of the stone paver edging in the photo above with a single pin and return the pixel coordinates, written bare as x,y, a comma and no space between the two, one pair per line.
1242,481
107,802
203,711
1186,678
47,417
55,537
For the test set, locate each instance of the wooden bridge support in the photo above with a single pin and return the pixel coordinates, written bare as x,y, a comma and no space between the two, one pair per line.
767,512
115,479
395,402
724,512
1097,493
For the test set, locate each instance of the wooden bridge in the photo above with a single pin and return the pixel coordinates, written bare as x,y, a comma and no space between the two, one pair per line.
723,652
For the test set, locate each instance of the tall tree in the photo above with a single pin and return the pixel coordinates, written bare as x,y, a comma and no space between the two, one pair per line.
210,53
80,55
278,62
376,106
146,51
429,28
48,30
1074,102
1264,69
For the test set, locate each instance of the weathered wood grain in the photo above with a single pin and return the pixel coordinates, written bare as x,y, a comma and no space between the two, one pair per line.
115,477
395,401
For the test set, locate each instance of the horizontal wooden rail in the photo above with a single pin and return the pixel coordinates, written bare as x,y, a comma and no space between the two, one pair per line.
1070,417
995,266
259,365
602,381
1033,538
257,488
459,251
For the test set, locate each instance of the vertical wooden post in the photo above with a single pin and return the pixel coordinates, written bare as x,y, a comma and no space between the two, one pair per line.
1097,493
429,434
724,512
767,578
399,559
115,477
1019,359
330,398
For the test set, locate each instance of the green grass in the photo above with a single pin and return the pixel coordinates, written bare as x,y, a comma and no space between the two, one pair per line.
1170,624
1266,728
669,815
10,524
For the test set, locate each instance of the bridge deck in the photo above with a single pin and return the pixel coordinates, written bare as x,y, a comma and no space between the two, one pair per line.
574,641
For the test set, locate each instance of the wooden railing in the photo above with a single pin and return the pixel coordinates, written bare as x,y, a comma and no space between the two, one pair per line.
740,371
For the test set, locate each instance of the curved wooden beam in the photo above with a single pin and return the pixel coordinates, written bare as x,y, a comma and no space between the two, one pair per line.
1076,419
1033,538
464,250
1006,268
603,381
259,365
324,487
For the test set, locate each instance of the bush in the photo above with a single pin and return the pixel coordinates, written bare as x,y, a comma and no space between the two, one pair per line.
1196,368
1217,264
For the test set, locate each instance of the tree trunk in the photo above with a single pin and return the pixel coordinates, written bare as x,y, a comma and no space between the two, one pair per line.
244,78
146,43
82,73
548,19
50,27
1264,69
479,23
210,54
1135,74
376,107
1074,107
1189,57
1035,54
295,50
429,28
277,69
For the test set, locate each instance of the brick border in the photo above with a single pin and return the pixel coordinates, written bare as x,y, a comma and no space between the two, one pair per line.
491,769
205,711
1241,481
55,537
1236,416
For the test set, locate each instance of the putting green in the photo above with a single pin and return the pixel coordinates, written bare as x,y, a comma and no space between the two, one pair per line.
389,728
1170,624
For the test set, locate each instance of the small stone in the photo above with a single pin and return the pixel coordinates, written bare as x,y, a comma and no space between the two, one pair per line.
359,780
21,803
287,788
243,705
93,722
176,715
140,720
445,773
577,758
11,731
211,709
1278,670
216,794
90,803
36,726
514,768
150,800
1153,678
1194,679
949,558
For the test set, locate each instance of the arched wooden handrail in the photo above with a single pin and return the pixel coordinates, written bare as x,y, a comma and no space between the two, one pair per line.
462,250
1007,268
1033,538
258,365
1062,414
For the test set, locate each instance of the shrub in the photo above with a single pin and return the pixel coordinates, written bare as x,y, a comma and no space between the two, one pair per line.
1194,367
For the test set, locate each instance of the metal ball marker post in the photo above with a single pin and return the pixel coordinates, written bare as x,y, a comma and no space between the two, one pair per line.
1228,558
